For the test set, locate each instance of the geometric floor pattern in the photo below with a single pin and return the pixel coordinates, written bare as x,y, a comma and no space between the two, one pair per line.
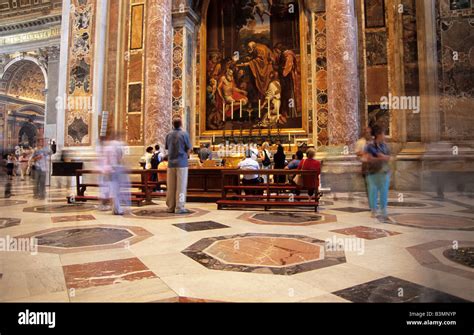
423,253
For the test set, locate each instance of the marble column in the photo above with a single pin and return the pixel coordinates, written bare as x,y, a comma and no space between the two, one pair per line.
52,94
343,85
158,76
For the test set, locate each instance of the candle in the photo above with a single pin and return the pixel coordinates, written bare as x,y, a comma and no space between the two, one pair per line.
259,109
232,110
269,109
223,111
289,138
240,108
213,138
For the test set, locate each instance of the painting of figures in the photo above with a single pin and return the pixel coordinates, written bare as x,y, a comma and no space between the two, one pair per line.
253,64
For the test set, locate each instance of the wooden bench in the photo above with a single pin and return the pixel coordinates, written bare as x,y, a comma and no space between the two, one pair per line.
272,195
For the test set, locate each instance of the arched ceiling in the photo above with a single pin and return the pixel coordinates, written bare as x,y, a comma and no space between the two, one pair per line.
27,82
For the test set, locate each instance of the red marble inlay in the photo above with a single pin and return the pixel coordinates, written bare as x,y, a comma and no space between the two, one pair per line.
105,273
265,251
367,233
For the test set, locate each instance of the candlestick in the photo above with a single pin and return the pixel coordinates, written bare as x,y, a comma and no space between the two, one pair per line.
232,110
223,112
289,138
269,108
259,109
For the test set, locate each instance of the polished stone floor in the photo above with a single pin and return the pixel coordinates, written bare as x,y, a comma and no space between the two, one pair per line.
424,253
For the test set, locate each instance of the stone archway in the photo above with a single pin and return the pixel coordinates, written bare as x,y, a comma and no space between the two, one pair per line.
23,99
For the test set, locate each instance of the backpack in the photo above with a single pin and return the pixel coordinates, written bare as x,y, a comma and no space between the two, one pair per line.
266,161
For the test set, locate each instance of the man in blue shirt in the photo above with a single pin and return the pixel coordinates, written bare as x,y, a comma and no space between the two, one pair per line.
179,146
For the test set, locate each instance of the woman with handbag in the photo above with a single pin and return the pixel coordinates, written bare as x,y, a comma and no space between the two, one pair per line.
309,182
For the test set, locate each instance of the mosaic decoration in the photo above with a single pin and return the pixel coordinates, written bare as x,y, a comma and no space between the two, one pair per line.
376,48
387,290
374,13
178,66
253,54
456,44
73,218
426,255
321,79
135,73
264,253
411,72
80,77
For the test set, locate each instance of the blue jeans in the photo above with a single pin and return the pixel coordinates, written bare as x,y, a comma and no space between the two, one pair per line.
378,183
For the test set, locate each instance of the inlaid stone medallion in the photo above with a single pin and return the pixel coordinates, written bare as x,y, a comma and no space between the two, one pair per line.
288,218
200,226
433,221
388,290
9,222
264,253
154,213
367,233
61,208
463,256
440,255
79,239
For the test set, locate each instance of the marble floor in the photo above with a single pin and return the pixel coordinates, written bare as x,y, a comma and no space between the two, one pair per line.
54,252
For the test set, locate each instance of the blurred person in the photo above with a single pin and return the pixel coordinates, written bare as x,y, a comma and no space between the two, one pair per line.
118,178
3,173
280,163
162,167
104,176
179,148
378,177
40,162
205,153
360,151
11,159
310,182
293,165
148,157
24,159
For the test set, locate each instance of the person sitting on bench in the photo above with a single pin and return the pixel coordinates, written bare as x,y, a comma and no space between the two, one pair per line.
250,179
310,182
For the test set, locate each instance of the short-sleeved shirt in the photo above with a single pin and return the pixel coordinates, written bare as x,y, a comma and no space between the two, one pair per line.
374,150
310,181
249,164
294,164
178,145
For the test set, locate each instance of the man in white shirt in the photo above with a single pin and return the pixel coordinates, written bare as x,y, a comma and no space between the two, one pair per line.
250,164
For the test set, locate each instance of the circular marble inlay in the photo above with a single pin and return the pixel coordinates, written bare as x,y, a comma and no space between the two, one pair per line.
159,213
63,208
265,251
463,256
434,221
83,237
6,203
288,217
9,222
